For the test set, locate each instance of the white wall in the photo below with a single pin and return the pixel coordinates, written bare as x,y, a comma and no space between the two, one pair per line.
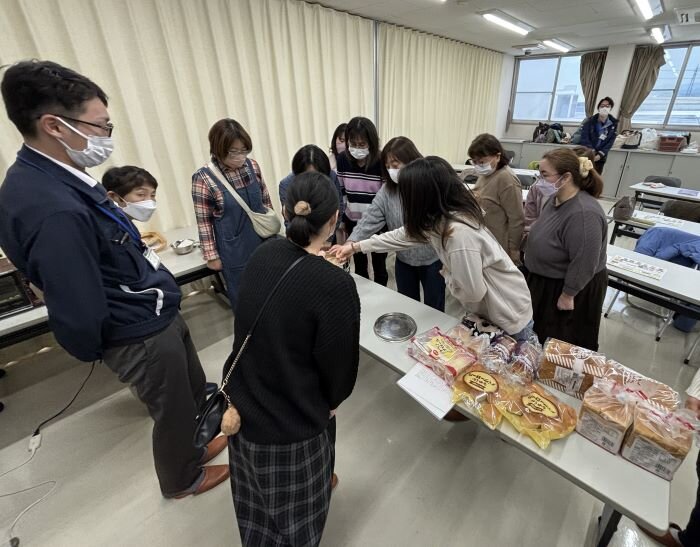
507,72
617,67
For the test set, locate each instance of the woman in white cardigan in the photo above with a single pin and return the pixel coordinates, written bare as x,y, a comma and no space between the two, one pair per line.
440,210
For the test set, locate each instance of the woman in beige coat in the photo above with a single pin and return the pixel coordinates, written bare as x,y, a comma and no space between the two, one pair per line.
499,193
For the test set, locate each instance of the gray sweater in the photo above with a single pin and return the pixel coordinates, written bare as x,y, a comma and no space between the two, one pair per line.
386,209
568,241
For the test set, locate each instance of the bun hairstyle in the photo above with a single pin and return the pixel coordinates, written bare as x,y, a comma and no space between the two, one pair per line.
582,170
312,200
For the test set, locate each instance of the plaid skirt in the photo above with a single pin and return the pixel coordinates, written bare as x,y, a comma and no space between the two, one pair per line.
281,492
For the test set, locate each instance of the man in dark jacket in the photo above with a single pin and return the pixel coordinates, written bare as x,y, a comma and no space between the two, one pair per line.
108,297
599,132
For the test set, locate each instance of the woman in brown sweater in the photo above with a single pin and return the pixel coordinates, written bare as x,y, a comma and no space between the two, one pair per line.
499,193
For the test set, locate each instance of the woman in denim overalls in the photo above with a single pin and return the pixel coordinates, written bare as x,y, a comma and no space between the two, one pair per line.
225,230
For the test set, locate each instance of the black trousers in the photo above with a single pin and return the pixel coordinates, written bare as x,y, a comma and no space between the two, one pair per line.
579,326
168,378
600,165
691,534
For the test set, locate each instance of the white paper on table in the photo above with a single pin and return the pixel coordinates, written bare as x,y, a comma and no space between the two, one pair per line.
641,268
428,389
658,219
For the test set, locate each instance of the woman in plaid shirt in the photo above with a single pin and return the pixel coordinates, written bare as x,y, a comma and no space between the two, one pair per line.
226,233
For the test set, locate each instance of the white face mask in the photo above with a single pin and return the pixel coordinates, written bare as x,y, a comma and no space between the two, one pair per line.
97,152
394,175
557,184
359,153
483,169
140,210
604,110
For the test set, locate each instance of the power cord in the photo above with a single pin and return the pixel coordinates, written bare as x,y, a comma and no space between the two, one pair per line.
34,444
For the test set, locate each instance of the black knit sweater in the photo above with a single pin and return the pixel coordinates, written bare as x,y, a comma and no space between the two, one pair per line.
302,359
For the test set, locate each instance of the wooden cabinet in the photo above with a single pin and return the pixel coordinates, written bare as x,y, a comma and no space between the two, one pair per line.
687,168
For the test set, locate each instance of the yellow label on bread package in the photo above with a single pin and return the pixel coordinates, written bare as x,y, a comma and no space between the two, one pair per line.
481,381
440,346
536,403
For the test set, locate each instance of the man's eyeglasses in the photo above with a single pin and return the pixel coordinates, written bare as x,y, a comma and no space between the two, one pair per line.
237,153
107,128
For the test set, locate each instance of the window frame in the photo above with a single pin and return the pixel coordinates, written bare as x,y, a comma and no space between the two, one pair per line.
514,87
665,125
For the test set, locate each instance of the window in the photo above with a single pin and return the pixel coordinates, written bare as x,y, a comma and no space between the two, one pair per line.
549,89
675,99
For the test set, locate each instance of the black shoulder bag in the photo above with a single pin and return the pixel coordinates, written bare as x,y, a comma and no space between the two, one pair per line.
208,422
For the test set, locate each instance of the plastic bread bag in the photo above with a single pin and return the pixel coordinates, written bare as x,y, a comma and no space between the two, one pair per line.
570,368
660,440
643,388
477,344
606,414
525,362
500,352
442,354
478,325
533,410
477,387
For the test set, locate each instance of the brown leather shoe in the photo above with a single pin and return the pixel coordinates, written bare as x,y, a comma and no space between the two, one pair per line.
334,481
214,475
214,448
665,539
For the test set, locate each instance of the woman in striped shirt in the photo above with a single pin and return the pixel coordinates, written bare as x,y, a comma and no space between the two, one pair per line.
359,174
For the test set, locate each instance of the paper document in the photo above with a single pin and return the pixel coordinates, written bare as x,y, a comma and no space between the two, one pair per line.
658,219
635,266
428,389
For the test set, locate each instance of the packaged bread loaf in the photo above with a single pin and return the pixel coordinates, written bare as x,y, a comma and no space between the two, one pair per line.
570,368
476,343
536,412
446,357
659,440
643,388
525,362
477,387
500,351
606,415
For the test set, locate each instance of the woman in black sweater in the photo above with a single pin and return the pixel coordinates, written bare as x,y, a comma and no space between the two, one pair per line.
299,365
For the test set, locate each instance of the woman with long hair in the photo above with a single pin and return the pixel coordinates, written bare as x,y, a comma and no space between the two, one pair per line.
441,211
415,267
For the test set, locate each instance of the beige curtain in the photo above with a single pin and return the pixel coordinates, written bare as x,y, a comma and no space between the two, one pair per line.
287,70
644,70
592,65
438,92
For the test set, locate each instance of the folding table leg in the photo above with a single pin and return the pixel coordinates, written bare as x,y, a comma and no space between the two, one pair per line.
611,303
692,350
664,326
607,525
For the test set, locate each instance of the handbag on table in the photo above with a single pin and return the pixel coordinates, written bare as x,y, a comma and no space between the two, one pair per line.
208,422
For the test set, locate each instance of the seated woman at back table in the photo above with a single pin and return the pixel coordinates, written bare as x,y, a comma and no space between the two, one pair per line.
565,253
441,211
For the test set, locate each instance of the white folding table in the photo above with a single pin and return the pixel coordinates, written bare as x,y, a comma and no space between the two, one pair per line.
185,268
666,192
660,221
624,488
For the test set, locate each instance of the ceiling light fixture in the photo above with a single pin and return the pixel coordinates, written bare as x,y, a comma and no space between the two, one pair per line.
661,34
506,21
558,45
649,8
